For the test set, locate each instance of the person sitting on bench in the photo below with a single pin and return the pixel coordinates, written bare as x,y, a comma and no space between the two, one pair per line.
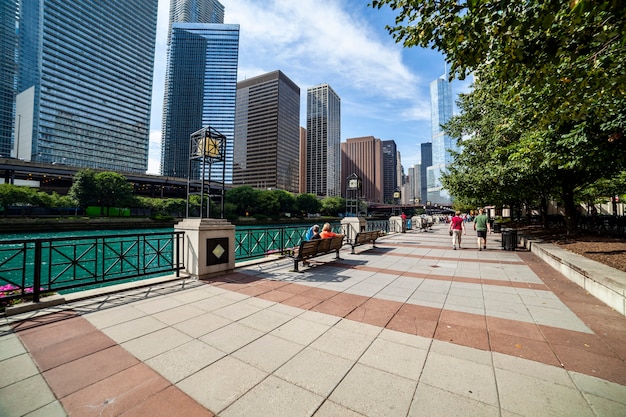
327,232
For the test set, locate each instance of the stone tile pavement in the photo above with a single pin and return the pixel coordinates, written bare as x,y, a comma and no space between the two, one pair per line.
410,328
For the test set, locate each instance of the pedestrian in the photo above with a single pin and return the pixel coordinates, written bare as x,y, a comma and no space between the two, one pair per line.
481,225
327,232
457,225
313,230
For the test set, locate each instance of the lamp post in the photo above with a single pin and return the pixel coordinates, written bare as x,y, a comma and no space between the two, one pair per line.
207,146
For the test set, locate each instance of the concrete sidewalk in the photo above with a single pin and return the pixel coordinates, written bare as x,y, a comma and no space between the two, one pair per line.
410,328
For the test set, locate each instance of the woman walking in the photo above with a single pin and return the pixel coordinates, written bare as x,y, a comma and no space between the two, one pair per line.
457,225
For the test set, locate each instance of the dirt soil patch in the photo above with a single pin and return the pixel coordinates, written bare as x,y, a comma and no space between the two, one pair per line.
608,250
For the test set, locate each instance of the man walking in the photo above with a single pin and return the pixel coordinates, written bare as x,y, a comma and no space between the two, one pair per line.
481,225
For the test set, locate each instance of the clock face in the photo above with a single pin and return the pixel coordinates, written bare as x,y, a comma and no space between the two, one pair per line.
353,184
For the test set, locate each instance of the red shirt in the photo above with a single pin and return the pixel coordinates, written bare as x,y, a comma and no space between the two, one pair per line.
326,234
457,223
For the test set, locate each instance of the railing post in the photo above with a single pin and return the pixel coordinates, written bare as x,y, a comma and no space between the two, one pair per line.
179,239
37,272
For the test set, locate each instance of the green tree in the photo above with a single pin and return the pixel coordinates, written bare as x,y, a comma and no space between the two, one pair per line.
558,66
84,189
113,190
308,204
244,199
332,206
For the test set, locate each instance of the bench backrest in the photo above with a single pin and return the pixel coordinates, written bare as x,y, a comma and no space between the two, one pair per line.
324,245
336,242
308,247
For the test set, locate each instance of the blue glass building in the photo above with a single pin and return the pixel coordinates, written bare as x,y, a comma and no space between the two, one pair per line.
8,74
201,91
84,82
441,108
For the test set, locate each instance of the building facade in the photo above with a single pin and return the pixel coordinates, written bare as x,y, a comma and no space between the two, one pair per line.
426,155
302,168
441,107
267,133
390,170
323,150
8,75
363,157
200,91
82,82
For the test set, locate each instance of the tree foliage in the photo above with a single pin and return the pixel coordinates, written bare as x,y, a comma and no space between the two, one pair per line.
548,113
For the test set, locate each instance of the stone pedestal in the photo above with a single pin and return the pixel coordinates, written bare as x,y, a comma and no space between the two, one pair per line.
209,247
396,225
353,225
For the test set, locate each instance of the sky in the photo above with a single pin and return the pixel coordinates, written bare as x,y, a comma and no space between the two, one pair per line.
384,88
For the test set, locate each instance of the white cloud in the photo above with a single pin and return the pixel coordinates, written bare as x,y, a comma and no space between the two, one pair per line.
154,157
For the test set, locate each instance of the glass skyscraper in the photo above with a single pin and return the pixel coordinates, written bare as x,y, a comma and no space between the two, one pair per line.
201,83
267,133
323,141
441,109
390,166
8,74
83,86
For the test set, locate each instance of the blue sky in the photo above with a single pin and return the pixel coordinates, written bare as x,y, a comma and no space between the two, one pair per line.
384,88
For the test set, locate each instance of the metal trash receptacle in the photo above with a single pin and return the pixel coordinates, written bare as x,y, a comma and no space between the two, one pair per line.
509,239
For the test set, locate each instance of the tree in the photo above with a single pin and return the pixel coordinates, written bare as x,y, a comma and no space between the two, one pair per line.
559,66
331,206
308,204
84,189
244,198
113,190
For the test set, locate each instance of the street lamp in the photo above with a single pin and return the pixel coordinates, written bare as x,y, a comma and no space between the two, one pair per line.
207,146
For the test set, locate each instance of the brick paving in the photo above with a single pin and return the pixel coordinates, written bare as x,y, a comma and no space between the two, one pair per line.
410,328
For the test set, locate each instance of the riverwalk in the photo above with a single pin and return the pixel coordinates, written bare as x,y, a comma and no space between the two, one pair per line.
409,328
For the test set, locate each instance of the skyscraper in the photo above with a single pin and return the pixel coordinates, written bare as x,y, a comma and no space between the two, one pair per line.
390,170
323,151
267,132
441,112
426,155
83,82
363,157
8,74
201,83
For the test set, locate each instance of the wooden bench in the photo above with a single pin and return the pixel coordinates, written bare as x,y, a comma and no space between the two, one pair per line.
365,237
317,247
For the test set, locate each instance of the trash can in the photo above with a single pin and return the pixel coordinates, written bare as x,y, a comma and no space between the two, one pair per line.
497,227
509,239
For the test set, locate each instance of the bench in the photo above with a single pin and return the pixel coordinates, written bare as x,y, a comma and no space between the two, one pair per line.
365,237
317,247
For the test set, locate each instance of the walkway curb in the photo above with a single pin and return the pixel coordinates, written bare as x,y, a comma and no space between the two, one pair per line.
603,282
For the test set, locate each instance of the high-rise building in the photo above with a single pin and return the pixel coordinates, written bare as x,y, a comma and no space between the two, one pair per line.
426,155
441,106
267,133
200,85
363,157
83,81
302,171
323,133
390,170
8,74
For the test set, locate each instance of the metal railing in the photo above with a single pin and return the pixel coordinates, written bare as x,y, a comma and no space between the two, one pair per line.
30,268
258,243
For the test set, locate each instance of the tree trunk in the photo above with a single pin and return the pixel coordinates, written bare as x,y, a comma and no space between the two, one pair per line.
544,212
570,211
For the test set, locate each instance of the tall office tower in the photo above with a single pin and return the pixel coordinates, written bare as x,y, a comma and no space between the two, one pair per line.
363,157
426,152
267,133
441,112
8,75
84,82
302,171
323,138
201,91
414,181
390,170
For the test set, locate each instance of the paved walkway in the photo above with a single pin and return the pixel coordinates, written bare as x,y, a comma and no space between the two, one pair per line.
411,328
